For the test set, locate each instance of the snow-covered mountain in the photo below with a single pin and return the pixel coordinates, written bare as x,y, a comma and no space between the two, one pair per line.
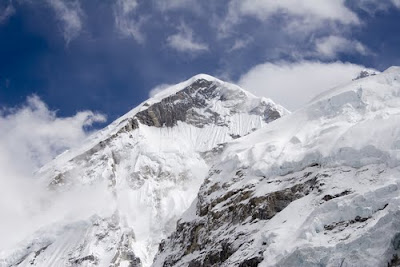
141,173
318,187
206,174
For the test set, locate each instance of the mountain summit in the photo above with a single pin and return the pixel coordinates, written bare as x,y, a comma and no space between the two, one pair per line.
139,175
318,187
206,174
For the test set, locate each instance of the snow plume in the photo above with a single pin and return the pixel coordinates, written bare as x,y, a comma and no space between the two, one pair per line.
159,88
6,12
294,84
30,136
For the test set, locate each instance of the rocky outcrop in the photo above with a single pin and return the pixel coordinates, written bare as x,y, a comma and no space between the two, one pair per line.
148,165
213,235
243,225
181,107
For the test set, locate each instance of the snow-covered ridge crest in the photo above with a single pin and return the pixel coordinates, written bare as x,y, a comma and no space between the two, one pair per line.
356,124
150,163
235,99
318,187
175,88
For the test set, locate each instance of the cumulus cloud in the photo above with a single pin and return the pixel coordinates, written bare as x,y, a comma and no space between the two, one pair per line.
70,14
184,41
126,21
329,47
6,12
34,134
30,136
294,84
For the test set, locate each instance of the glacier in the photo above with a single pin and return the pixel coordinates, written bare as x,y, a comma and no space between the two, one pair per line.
137,176
207,174
318,187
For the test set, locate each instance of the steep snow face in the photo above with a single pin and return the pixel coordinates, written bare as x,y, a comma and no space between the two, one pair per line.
153,161
319,187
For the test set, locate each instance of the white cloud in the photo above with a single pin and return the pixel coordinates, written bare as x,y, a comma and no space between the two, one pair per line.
396,3
329,47
30,136
7,12
301,15
70,14
372,6
326,10
183,41
294,84
166,5
126,21
127,6
240,43
34,134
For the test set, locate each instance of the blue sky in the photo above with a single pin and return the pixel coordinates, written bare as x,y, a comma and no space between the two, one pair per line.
66,65
107,55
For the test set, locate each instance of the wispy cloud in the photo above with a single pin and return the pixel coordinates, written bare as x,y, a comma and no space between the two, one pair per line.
70,15
6,12
329,47
184,41
167,5
304,15
126,20
372,6
240,44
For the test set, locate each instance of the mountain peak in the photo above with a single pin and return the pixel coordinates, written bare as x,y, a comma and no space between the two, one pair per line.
392,69
152,162
204,76
201,99
309,189
197,79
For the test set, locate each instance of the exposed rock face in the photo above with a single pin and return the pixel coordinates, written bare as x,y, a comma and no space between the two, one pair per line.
193,105
213,236
149,165
235,227
319,187
124,255
182,105
364,74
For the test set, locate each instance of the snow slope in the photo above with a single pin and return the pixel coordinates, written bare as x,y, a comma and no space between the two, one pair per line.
149,164
319,187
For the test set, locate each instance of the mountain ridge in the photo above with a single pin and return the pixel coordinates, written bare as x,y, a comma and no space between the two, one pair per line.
318,187
125,121
147,166
205,174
